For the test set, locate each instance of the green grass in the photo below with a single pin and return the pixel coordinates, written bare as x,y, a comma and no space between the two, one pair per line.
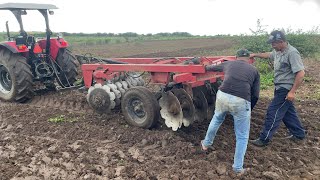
266,80
316,95
266,73
61,118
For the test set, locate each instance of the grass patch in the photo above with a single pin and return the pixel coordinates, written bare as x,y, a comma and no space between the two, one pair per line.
266,73
307,78
315,94
61,118
266,80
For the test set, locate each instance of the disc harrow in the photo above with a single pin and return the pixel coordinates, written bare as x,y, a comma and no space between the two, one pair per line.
187,92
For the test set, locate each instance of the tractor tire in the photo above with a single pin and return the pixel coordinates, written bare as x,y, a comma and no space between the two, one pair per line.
140,107
67,68
16,79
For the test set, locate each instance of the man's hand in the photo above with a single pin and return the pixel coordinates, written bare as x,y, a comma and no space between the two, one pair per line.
252,55
297,82
290,96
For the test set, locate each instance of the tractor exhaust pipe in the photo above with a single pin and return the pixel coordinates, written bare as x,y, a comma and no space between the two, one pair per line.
8,32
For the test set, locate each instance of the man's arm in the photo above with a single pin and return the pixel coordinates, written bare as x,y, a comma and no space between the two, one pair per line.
217,68
261,55
297,82
255,91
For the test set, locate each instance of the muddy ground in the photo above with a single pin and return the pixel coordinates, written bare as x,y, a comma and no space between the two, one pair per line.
85,145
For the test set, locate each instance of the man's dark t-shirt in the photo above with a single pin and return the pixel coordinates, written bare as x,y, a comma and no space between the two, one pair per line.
241,79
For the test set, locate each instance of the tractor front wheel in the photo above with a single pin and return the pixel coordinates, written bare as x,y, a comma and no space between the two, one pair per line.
16,80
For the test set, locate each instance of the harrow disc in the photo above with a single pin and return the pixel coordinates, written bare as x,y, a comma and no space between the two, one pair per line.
99,100
171,110
188,109
210,98
200,103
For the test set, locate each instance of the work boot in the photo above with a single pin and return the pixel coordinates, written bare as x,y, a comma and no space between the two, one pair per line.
260,143
295,138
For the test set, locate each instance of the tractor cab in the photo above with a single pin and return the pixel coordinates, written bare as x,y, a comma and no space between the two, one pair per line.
23,41
44,61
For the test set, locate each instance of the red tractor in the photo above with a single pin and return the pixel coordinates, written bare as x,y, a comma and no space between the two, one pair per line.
27,62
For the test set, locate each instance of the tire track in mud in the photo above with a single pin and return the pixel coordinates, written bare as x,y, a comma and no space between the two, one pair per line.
76,105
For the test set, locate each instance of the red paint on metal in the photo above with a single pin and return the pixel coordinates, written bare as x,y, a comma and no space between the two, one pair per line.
55,45
146,67
13,45
160,69
160,77
184,77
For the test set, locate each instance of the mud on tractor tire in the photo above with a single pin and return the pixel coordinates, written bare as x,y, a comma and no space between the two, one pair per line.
140,107
16,79
67,68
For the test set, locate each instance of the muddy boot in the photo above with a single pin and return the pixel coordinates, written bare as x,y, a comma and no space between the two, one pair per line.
259,143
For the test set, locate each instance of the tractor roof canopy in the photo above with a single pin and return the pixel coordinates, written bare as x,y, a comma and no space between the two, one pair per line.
26,6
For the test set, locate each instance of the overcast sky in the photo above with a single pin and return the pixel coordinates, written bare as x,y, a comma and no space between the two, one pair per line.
198,17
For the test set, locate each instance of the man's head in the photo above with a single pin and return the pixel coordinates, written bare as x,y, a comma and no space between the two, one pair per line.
243,54
278,40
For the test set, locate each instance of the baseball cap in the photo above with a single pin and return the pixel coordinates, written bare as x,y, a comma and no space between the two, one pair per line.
276,36
243,53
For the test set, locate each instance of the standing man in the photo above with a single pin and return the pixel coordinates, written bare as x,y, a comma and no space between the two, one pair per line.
288,75
237,95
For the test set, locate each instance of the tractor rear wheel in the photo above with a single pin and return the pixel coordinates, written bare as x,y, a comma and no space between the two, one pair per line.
67,68
16,79
140,107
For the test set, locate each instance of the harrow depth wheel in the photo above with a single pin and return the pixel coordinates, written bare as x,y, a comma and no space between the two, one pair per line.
140,108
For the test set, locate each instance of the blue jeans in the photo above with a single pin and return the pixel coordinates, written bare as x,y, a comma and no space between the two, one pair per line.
240,109
280,110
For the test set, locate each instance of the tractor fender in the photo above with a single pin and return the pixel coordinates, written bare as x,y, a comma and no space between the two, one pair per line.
11,46
55,45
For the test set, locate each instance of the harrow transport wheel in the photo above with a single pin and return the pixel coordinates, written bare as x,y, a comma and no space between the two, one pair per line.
140,108
67,68
16,80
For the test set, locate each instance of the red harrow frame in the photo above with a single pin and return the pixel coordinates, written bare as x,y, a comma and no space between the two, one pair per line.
186,89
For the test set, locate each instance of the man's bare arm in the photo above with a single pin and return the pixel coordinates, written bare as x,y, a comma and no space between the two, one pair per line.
261,55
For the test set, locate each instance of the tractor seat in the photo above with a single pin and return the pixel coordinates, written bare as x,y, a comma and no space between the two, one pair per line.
21,40
30,40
